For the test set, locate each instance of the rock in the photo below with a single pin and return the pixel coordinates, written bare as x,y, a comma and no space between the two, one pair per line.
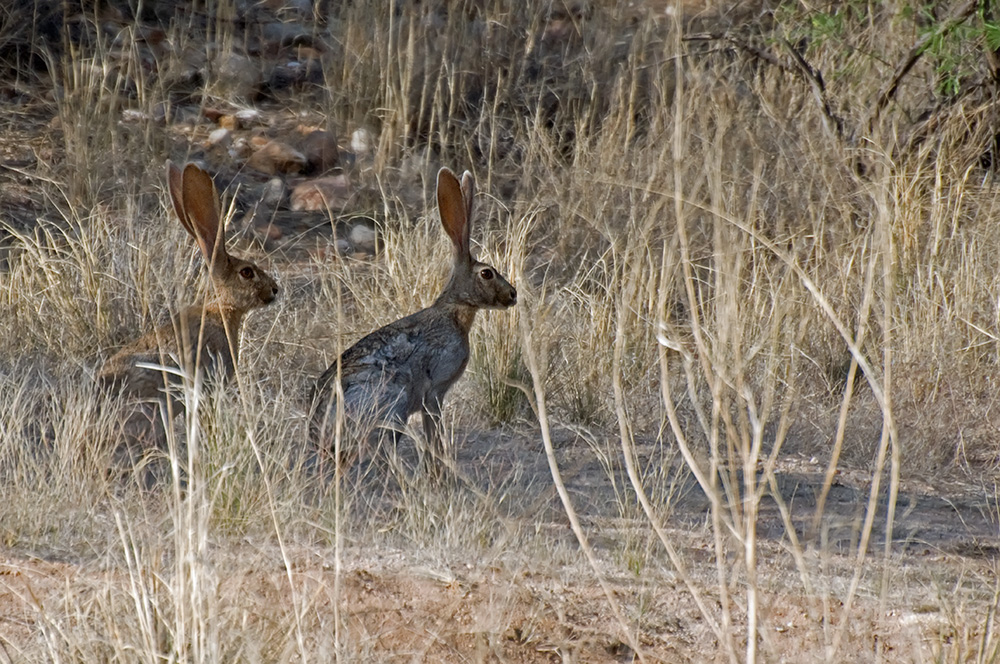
328,193
277,157
221,137
212,114
362,236
237,74
362,143
321,151
240,150
132,115
248,117
229,122
274,192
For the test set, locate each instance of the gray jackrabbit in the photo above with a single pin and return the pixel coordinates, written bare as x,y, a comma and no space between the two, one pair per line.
409,364
206,336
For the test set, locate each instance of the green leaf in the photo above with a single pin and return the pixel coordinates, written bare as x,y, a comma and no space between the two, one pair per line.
992,33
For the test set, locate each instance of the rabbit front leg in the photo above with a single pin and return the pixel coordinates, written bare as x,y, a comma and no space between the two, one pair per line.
433,456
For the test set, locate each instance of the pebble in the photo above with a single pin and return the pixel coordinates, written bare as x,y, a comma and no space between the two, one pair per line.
221,137
274,191
240,150
237,74
277,157
321,194
362,143
249,117
134,115
362,236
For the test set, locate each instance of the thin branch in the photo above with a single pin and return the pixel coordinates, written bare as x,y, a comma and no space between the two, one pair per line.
742,45
885,95
815,78
833,123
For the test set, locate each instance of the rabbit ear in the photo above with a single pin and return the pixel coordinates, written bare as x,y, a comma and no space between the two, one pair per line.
468,193
455,210
201,207
175,187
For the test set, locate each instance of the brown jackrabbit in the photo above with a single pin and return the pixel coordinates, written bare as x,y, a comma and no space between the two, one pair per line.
206,337
409,364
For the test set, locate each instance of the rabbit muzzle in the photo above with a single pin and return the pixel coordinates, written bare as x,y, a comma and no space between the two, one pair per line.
268,295
512,299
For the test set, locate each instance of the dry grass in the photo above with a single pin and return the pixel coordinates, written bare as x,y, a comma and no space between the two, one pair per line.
750,366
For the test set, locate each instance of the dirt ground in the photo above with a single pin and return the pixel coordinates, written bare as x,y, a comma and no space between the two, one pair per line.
537,599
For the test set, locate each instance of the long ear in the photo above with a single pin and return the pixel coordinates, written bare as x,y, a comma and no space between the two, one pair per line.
469,194
201,206
175,187
454,211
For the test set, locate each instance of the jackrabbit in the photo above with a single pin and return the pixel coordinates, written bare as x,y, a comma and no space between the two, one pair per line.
409,364
203,337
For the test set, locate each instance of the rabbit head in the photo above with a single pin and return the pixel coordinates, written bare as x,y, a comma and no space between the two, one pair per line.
240,284
472,283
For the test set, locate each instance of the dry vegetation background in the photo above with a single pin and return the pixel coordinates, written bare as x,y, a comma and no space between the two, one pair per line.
745,408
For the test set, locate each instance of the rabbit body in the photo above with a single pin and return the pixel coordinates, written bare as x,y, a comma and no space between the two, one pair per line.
162,346
410,364
205,337
391,373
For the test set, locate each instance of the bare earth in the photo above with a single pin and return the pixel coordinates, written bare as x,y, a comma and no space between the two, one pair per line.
535,599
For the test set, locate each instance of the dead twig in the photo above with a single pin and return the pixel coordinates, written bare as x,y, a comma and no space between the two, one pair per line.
885,95
815,78
833,123
742,45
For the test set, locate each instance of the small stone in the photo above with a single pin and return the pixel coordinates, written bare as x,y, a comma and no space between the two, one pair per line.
212,114
277,157
133,115
229,122
221,137
362,236
240,150
237,74
328,193
362,143
274,191
249,117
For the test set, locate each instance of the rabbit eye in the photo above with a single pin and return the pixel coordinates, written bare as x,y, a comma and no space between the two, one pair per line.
247,273
486,273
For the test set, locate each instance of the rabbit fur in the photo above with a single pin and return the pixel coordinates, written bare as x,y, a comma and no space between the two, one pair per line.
206,336
409,365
